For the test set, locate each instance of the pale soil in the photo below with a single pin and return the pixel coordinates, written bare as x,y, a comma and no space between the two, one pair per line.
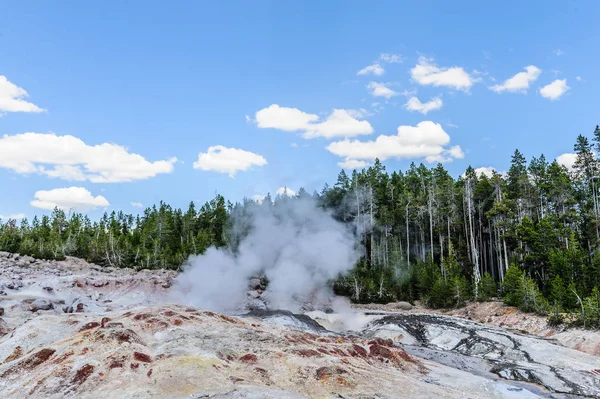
131,341
497,314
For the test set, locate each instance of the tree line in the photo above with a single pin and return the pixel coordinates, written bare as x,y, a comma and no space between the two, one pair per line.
530,236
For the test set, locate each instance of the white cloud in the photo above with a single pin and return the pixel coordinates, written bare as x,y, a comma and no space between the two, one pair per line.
285,191
391,58
248,119
136,204
485,170
567,160
558,52
12,98
381,90
374,69
578,78
426,140
259,198
351,164
72,159
14,216
414,104
519,82
427,73
340,123
77,198
294,145
555,90
227,160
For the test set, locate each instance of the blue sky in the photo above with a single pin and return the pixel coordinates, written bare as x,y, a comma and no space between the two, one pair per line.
170,80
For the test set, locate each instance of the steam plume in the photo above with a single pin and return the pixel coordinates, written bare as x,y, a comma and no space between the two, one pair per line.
298,246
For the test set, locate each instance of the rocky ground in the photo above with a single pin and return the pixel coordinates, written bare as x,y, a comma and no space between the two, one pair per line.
75,330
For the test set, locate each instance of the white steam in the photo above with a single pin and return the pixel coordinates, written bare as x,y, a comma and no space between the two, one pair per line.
298,246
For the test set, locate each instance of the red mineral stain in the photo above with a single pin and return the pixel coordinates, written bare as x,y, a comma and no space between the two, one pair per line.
149,373
142,316
116,365
83,374
249,358
89,326
31,362
358,351
177,322
307,353
104,321
380,351
382,342
16,353
134,366
142,357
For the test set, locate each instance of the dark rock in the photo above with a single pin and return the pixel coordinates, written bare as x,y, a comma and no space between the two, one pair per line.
40,304
1,311
3,328
256,304
14,285
256,284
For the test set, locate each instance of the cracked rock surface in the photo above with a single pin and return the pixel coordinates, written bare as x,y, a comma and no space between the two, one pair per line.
509,355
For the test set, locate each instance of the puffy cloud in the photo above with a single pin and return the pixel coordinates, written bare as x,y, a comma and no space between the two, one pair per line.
381,90
374,69
351,164
136,204
284,118
12,98
414,104
285,191
578,78
485,170
427,73
70,158
340,123
555,90
14,216
520,82
567,160
77,198
227,160
558,52
426,140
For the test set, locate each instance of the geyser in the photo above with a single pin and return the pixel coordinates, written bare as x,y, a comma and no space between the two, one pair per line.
296,244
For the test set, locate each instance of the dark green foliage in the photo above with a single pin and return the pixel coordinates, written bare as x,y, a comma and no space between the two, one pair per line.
488,288
162,237
512,286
